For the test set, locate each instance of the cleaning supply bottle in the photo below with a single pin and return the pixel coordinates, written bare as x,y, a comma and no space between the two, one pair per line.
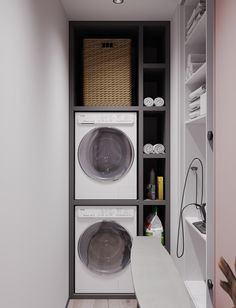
151,188
153,226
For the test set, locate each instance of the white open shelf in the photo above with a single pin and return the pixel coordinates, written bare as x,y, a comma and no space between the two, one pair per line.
190,221
197,292
197,38
198,77
198,120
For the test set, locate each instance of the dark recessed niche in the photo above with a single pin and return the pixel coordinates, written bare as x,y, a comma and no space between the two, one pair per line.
154,83
154,44
158,165
154,127
101,30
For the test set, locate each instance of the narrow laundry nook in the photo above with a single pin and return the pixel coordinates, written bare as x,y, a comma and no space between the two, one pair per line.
117,158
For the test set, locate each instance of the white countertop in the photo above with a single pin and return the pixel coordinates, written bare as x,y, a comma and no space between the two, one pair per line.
156,280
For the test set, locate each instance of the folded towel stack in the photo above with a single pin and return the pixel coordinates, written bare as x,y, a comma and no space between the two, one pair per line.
194,62
197,102
154,149
195,17
158,102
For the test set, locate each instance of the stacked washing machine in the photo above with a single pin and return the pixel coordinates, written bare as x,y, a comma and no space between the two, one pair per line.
105,168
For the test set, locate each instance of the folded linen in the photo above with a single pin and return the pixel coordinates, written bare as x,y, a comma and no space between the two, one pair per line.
196,58
194,114
148,148
148,102
192,68
197,93
159,102
159,148
199,9
195,103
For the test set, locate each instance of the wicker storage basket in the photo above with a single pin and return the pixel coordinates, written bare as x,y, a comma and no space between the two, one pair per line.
107,72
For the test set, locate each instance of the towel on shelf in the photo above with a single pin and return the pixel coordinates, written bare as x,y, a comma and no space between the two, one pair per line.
201,6
148,102
194,114
159,148
196,58
197,93
148,148
159,102
191,69
196,15
195,104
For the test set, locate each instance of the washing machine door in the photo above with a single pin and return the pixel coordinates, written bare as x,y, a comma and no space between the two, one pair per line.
105,247
105,154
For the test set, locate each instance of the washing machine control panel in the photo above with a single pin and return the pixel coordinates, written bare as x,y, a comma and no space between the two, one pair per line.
105,213
105,118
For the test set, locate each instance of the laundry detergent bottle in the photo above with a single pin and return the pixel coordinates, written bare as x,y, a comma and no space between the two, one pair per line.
153,226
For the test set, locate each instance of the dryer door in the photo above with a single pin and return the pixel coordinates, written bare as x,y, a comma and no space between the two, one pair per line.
105,154
105,247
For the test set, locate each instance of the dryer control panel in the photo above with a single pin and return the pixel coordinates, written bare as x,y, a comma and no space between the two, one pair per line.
105,118
105,212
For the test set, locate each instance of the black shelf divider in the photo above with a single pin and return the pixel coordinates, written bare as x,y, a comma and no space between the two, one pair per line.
154,156
154,66
105,108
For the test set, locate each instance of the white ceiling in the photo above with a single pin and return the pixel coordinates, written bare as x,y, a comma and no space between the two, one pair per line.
130,10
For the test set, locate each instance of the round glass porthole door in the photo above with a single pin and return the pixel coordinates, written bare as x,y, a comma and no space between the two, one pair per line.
105,154
105,247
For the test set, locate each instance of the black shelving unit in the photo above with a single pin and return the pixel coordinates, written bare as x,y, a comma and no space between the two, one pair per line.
150,77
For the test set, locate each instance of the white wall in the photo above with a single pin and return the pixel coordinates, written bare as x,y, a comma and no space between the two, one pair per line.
225,142
33,155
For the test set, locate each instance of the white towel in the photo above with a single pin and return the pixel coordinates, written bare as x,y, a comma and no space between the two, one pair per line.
159,102
148,102
194,114
195,104
159,148
196,58
197,93
148,148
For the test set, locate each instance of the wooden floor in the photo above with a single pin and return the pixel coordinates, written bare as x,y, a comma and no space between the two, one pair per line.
103,303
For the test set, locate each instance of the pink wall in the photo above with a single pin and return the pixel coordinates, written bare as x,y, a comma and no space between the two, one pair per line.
225,139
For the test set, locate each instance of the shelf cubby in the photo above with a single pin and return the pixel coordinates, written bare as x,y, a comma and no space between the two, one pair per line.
158,165
154,83
149,209
154,44
154,128
96,30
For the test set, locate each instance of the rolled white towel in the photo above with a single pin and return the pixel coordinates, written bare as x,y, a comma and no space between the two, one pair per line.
148,148
159,102
148,102
159,148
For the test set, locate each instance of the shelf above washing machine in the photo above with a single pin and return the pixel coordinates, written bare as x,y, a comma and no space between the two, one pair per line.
105,202
104,108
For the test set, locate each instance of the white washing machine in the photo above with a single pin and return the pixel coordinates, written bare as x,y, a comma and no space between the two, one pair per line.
103,240
105,155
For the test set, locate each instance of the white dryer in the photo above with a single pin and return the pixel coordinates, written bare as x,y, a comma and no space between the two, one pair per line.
105,155
103,240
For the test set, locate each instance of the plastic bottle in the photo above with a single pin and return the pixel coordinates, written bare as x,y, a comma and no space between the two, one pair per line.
153,226
151,188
